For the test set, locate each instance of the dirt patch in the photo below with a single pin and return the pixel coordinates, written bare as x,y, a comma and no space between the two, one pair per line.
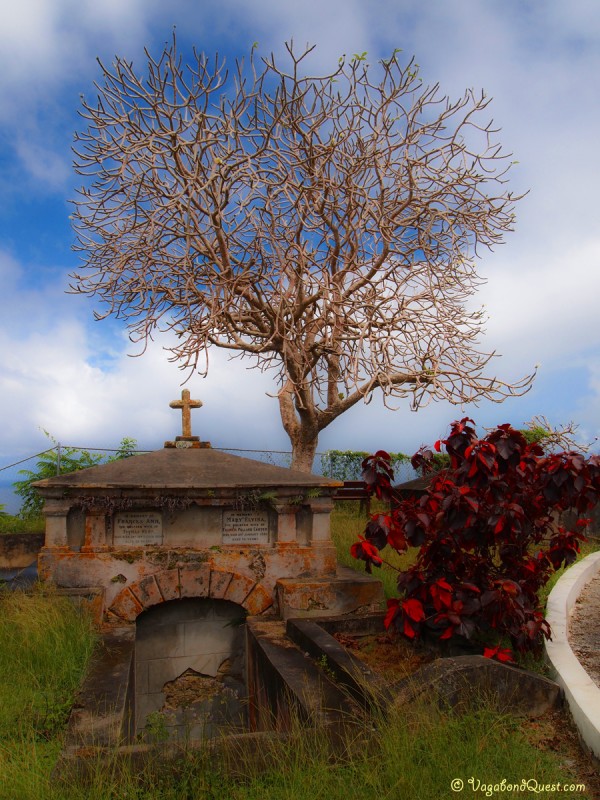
392,658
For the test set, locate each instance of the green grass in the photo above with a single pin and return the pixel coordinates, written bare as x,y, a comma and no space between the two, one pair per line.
12,524
591,546
45,644
414,753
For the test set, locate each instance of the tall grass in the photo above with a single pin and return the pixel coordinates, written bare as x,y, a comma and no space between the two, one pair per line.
45,644
413,753
12,524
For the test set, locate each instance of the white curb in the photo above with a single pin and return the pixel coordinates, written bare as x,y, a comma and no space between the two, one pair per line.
582,694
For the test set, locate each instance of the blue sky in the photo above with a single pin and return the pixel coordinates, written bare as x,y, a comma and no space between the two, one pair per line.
63,372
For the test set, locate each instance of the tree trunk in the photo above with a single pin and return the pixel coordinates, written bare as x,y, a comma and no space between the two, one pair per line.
302,428
303,454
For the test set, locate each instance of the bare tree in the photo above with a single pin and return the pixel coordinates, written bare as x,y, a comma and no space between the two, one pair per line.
325,227
555,437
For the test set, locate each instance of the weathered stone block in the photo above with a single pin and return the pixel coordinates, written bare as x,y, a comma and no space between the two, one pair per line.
239,588
147,592
141,676
169,584
111,621
209,636
19,550
219,583
258,601
126,606
171,642
195,582
349,592
464,682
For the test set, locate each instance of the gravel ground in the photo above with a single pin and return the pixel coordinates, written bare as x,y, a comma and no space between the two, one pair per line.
584,629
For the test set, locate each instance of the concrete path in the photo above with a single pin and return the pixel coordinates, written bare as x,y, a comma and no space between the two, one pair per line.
574,649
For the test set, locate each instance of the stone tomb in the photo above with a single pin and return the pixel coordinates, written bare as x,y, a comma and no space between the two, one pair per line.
190,522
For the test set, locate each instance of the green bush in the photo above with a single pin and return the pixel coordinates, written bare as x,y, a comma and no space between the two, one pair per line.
61,461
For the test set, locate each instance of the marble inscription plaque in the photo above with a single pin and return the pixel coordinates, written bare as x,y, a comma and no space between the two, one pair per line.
245,527
138,528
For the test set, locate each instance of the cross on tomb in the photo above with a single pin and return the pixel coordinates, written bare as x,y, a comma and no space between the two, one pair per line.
185,404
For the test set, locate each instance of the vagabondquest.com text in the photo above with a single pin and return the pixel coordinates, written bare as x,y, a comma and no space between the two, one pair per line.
524,785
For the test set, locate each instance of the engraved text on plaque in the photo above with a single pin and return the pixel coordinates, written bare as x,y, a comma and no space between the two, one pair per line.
245,527
138,528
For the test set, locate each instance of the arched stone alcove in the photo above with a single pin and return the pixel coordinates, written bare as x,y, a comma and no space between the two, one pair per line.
180,583
190,666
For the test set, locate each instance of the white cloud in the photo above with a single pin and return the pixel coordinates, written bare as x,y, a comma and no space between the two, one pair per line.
541,307
46,48
42,164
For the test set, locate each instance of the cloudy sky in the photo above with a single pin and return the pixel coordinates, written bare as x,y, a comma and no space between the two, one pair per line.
62,372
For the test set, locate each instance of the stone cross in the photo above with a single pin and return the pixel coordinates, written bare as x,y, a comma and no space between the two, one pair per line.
185,404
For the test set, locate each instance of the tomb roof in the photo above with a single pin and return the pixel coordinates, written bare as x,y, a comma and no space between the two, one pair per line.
185,468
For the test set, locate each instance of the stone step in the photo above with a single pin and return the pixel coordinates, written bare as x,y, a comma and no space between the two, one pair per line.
349,592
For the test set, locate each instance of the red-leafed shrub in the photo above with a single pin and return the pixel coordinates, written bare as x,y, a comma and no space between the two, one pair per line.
488,533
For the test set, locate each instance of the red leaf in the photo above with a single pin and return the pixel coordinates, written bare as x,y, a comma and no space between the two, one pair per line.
408,629
503,654
413,609
382,454
356,550
511,588
392,612
470,587
367,552
438,446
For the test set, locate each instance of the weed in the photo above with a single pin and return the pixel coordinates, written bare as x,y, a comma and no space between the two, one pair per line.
155,729
323,663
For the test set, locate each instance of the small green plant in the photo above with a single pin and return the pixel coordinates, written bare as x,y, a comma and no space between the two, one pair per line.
267,497
156,729
127,448
323,663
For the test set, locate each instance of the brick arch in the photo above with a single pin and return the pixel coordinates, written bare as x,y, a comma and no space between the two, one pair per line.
178,583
